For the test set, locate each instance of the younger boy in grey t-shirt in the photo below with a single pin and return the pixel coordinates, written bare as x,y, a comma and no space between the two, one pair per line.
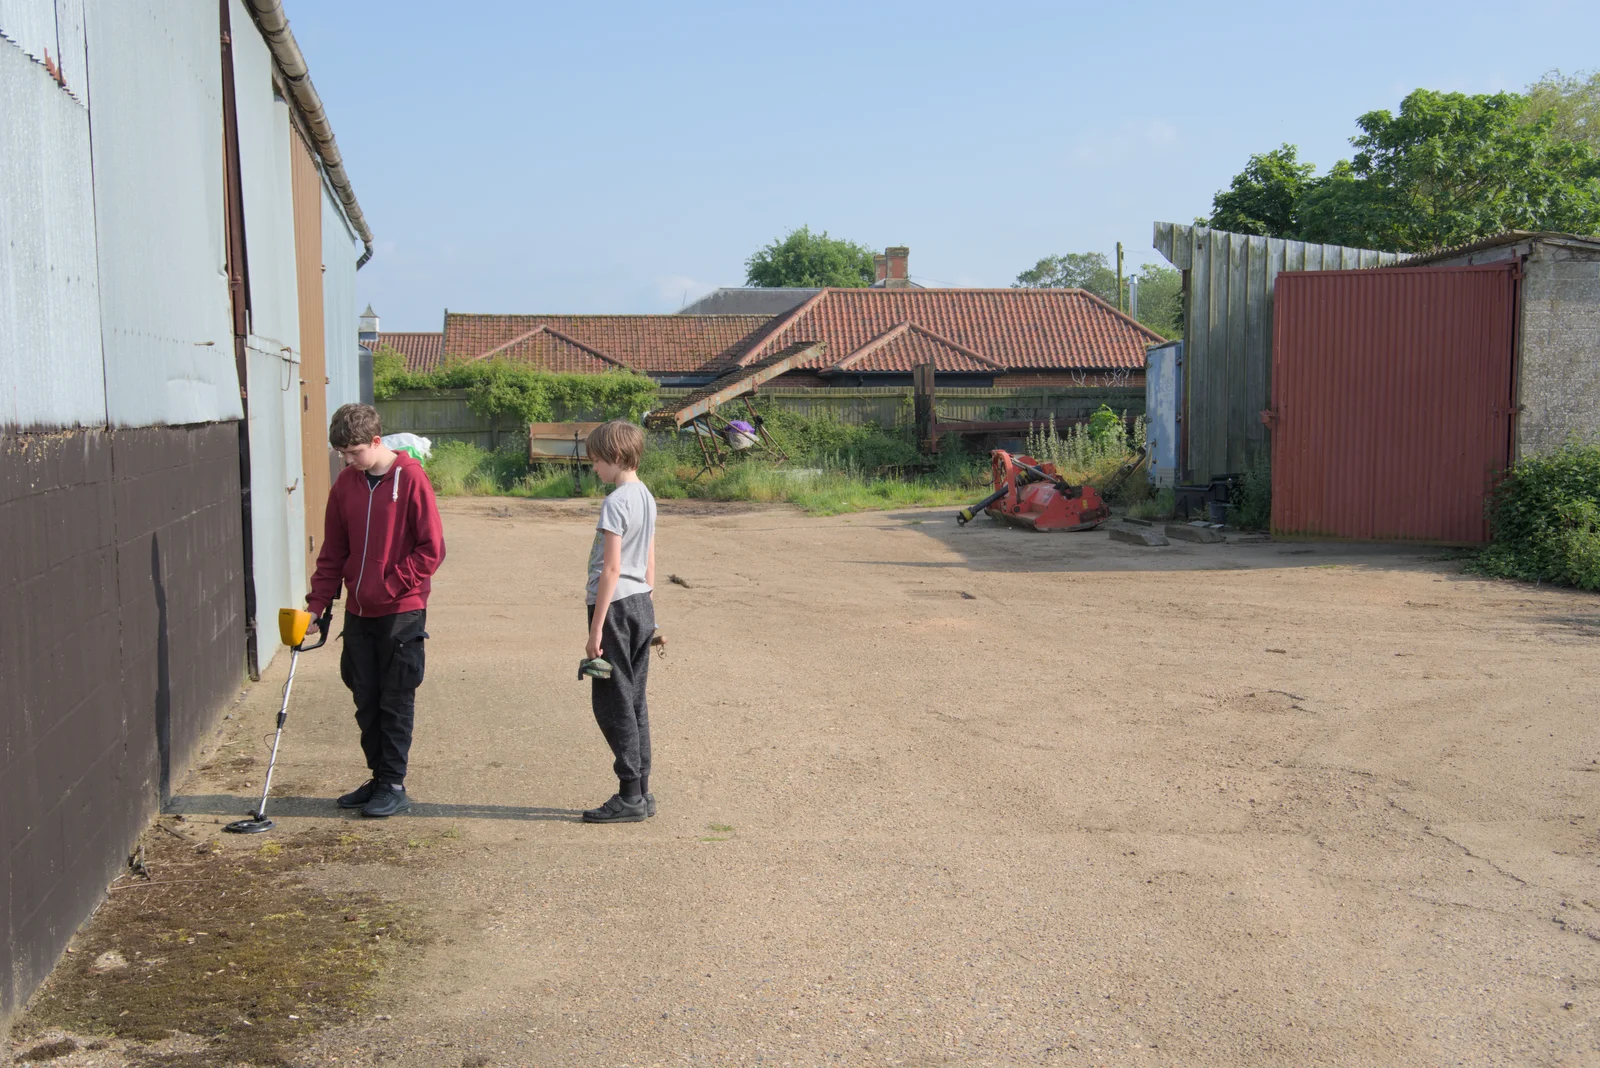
622,617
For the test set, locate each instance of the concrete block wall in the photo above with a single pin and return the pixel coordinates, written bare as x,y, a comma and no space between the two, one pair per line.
1559,387
124,632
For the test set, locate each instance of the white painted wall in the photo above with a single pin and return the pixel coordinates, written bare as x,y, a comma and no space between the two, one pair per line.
157,135
50,369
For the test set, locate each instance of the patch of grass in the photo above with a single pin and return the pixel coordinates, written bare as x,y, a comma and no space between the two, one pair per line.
1545,520
1160,505
226,942
459,468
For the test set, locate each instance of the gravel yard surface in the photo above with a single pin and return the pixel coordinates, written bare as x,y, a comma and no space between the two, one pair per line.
975,796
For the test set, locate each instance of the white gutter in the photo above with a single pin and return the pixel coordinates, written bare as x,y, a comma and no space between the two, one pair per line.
274,26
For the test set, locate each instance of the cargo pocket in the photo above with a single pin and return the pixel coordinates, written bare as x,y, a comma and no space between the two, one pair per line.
406,666
346,669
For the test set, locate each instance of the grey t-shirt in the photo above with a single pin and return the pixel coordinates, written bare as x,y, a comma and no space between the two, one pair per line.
628,511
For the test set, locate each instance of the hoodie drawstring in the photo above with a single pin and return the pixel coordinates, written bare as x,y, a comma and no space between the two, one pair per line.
395,495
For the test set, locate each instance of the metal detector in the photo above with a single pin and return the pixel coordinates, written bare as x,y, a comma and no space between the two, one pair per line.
292,626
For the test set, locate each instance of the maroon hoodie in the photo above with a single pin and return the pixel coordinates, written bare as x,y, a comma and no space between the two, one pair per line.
383,542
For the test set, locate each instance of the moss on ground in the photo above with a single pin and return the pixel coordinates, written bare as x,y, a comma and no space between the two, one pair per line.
228,942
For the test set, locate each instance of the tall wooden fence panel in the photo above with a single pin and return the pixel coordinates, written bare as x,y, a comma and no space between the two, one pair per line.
1227,338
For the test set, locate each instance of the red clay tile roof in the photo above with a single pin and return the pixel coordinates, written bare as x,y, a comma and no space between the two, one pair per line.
1032,329
867,331
681,344
907,345
420,348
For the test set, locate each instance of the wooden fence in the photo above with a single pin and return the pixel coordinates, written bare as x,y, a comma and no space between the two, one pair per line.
444,415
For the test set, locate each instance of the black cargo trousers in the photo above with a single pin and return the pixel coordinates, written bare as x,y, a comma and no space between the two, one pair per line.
382,664
619,702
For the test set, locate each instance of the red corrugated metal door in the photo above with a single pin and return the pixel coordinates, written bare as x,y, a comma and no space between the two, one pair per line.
1392,395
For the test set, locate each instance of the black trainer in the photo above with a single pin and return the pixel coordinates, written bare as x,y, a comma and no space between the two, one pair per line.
360,795
649,804
618,810
386,801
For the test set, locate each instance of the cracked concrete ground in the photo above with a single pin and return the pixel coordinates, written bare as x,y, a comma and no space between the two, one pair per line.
973,796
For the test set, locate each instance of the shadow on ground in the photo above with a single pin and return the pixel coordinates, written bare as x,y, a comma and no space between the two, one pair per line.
232,805
986,545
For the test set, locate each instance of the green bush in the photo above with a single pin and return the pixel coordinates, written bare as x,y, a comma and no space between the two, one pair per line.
1544,519
507,387
1252,497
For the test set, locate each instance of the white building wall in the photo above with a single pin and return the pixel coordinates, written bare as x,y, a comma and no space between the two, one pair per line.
50,369
157,137
268,198
339,314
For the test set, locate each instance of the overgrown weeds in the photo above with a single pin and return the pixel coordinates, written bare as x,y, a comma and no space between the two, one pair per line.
1544,520
833,467
1251,499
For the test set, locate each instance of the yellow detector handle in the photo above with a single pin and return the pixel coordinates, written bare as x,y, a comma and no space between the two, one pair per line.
292,625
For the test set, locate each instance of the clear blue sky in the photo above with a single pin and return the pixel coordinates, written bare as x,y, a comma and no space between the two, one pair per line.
589,157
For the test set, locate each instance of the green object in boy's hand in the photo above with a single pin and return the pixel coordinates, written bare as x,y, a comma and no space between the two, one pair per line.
596,668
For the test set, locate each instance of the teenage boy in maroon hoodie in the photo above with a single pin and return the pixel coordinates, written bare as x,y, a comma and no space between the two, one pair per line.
381,540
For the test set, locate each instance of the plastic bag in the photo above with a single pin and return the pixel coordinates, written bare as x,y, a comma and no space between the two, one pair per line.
418,447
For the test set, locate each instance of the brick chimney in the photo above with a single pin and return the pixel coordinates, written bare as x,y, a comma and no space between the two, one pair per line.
899,274
880,263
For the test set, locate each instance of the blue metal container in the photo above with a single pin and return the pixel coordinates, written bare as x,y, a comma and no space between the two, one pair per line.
1163,401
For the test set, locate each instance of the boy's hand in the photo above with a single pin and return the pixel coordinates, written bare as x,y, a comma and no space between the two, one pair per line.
593,649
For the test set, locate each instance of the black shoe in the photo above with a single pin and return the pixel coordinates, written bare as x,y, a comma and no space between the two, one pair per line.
649,804
360,795
386,801
617,810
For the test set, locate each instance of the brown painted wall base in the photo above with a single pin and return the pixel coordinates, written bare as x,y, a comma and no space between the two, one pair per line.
122,636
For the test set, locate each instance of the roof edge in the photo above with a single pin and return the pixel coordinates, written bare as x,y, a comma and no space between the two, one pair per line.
273,25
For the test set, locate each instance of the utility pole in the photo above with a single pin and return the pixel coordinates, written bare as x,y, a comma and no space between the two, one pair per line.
1120,308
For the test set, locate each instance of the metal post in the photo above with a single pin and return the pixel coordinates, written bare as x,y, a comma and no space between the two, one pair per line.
1119,277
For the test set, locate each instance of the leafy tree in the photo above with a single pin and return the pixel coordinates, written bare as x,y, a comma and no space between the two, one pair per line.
803,258
1161,299
1160,288
1264,198
1572,101
1448,168
1075,270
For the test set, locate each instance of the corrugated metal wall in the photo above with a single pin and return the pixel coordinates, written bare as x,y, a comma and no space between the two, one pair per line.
50,368
273,351
1163,389
1391,401
339,313
277,502
158,186
1228,334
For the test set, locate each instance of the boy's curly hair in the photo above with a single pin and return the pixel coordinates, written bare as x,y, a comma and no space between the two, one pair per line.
354,424
617,442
